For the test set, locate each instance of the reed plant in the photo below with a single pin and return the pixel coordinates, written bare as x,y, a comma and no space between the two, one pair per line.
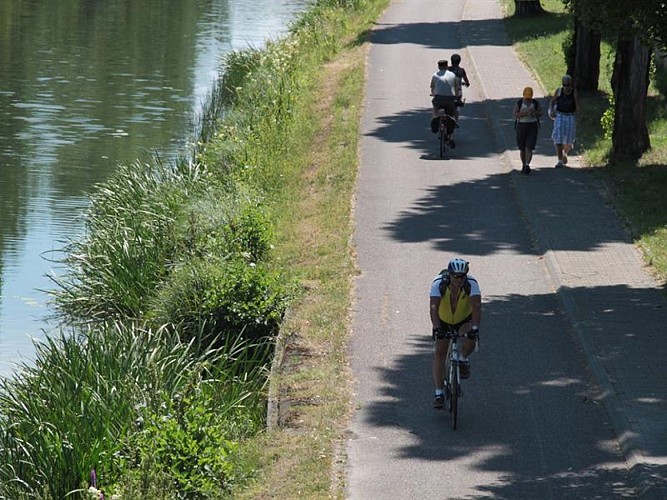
105,398
125,253
173,246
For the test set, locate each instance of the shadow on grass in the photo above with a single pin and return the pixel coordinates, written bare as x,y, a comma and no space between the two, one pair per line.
522,29
641,191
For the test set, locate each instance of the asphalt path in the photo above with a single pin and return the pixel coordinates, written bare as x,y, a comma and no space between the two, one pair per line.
529,426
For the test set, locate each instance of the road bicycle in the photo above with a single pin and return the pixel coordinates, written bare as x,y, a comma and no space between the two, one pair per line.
453,370
446,140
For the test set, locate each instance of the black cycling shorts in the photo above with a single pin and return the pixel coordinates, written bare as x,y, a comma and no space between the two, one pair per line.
526,135
446,102
459,324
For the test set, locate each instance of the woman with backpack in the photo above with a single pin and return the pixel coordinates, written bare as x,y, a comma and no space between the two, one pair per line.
527,112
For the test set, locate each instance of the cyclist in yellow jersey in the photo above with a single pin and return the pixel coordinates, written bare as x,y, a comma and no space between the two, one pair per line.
454,300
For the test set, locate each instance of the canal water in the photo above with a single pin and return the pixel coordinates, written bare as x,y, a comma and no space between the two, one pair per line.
86,86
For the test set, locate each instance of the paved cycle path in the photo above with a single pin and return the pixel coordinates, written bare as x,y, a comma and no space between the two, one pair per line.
617,310
569,389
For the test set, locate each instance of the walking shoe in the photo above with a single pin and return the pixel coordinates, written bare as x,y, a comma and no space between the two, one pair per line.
464,369
559,165
439,402
525,169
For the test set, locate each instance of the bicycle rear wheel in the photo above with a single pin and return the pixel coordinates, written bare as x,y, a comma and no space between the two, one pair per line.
443,145
443,138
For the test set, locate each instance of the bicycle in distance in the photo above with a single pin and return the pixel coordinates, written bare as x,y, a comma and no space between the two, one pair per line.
453,362
446,98
446,124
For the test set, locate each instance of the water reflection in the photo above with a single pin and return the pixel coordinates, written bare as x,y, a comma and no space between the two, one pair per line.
84,86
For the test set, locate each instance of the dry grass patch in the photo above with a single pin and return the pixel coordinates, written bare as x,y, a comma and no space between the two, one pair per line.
312,385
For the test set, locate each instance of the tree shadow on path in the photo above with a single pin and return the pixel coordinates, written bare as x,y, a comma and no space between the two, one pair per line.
517,404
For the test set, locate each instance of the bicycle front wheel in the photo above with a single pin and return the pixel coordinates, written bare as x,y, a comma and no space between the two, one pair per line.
455,393
448,376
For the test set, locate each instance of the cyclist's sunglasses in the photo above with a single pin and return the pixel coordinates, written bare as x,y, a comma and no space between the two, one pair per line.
459,275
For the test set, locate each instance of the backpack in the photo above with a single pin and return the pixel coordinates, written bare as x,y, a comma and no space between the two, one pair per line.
535,103
443,276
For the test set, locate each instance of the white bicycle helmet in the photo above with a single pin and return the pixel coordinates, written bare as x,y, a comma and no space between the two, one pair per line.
458,266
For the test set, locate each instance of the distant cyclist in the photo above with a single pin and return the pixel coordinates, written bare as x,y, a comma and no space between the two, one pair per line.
455,67
455,301
444,89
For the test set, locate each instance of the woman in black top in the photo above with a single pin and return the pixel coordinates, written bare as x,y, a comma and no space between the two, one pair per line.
563,109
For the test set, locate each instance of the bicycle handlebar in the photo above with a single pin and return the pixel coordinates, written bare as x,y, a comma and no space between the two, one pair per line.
457,335
451,333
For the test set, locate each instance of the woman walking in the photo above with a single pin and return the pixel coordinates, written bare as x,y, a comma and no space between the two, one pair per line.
563,109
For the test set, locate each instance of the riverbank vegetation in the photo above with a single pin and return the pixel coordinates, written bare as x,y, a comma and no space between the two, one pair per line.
636,187
156,385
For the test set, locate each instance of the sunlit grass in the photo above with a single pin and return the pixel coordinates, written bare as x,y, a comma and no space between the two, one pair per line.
313,211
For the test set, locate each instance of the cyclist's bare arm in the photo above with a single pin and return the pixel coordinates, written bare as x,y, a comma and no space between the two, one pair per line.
434,306
476,303
464,78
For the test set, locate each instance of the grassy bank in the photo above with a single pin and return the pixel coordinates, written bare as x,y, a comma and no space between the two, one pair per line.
298,459
156,386
637,190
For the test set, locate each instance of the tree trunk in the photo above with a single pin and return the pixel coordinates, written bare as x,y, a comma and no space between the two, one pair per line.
630,137
587,58
570,49
527,8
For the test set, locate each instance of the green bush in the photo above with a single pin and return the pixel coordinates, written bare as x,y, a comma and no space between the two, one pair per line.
569,50
188,445
70,412
101,399
225,225
607,119
222,298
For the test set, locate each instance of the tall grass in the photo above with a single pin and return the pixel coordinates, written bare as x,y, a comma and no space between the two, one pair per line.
92,399
128,244
173,246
